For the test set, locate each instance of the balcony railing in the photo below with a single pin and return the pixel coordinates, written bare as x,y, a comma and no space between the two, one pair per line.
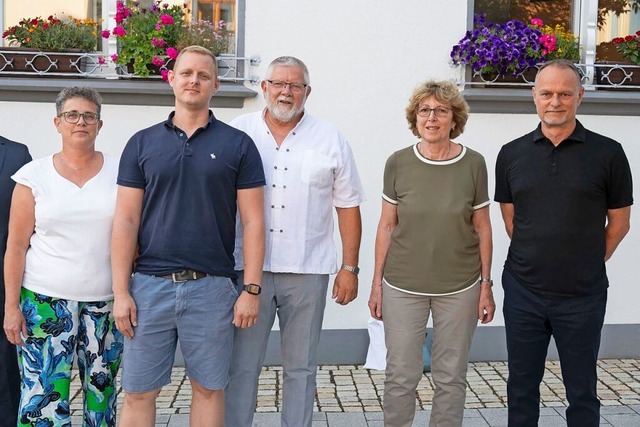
19,63
603,76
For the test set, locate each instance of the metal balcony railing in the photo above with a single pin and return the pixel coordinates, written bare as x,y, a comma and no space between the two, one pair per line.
604,76
25,63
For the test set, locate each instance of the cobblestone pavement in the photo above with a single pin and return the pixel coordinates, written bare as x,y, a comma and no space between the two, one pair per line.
349,395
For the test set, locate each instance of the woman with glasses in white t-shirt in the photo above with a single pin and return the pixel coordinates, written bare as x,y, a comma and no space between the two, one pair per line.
58,273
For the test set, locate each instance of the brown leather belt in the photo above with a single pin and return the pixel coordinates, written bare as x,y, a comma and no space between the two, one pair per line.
184,275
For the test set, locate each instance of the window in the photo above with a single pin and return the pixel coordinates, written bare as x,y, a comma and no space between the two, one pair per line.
595,22
97,68
12,11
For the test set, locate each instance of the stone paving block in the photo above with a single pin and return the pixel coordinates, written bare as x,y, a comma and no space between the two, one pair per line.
622,420
374,416
421,418
346,420
179,420
495,417
474,422
266,420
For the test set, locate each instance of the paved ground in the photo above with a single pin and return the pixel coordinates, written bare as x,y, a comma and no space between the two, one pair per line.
351,396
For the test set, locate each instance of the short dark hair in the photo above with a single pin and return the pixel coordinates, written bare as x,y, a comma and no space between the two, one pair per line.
445,92
85,92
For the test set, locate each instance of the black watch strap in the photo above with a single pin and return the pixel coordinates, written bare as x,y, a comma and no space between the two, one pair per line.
252,288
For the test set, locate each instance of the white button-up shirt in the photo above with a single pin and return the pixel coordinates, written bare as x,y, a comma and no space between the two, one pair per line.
311,172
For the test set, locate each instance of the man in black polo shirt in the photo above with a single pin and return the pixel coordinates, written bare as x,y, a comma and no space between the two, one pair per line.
565,195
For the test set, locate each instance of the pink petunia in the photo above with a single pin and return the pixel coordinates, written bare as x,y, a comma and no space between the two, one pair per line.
172,52
114,57
156,42
119,31
166,19
537,22
101,60
157,61
158,27
165,74
105,34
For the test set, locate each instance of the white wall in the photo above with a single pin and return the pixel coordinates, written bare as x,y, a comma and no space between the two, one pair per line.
365,58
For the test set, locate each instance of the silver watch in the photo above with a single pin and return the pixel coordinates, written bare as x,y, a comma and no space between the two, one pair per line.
350,268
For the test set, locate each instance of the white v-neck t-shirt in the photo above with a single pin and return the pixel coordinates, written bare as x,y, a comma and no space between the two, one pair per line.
69,255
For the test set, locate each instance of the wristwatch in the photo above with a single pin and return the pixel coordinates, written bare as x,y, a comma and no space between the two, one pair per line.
350,268
486,280
252,288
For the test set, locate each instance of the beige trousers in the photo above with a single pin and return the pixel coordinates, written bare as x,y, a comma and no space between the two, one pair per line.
405,321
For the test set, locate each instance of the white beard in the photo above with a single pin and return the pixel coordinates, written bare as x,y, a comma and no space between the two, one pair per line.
283,113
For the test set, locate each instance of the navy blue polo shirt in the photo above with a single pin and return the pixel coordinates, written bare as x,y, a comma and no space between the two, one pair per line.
190,187
561,196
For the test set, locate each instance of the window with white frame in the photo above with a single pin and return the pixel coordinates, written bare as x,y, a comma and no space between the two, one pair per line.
610,18
13,11
596,24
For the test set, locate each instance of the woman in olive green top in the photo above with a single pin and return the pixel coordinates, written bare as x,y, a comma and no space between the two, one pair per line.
432,255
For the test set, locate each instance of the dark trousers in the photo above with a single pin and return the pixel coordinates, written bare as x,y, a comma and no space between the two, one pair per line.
575,323
9,376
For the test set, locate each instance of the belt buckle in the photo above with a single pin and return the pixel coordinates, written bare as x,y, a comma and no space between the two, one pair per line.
179,277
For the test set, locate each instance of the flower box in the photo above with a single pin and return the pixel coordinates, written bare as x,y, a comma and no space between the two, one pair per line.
28,60
521,81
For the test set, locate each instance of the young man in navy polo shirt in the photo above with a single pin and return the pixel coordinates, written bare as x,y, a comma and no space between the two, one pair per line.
180,184
565,195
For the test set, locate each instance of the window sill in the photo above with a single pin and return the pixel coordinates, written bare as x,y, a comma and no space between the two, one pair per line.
519,101
123,92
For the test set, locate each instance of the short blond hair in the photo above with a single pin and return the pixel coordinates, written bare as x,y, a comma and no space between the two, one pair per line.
444,92
200,50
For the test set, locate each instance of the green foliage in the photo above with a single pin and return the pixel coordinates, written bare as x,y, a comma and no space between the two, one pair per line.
53,34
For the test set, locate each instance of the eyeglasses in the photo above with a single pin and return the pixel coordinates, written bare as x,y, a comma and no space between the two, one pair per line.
438,111
73,117
295,87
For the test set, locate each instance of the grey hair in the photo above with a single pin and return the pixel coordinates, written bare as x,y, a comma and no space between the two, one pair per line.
288,61
88,93
563,64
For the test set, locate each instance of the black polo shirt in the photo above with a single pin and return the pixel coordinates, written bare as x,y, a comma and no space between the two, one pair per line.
190,188
561,196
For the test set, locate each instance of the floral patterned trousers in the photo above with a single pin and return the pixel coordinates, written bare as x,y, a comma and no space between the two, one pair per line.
58,330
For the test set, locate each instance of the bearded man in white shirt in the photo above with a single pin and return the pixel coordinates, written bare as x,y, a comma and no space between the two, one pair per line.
309,170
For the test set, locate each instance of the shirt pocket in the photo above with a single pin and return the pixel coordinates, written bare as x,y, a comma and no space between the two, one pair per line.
317,169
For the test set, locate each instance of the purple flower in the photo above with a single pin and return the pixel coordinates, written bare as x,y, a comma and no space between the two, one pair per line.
506,48
105,34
